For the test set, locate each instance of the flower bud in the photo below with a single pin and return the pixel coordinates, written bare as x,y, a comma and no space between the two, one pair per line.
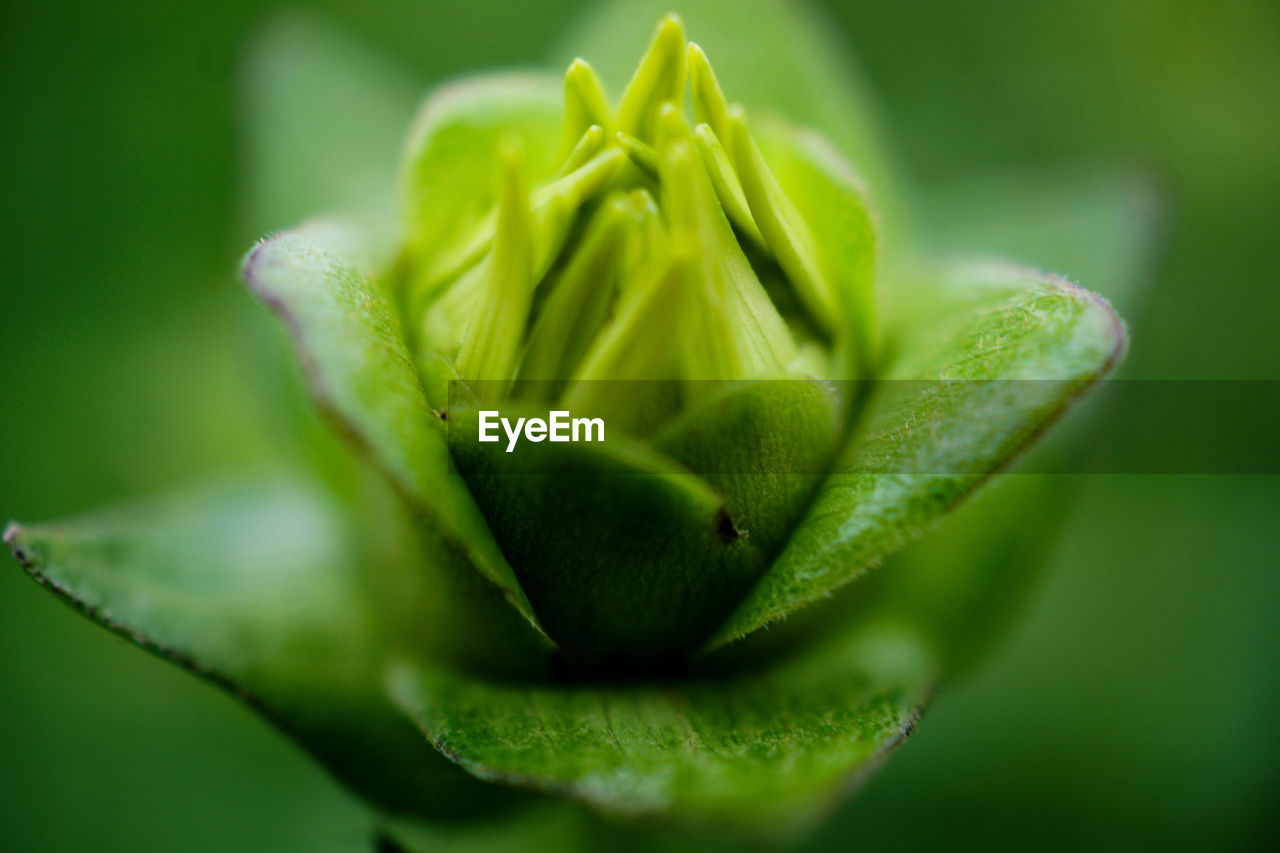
656,275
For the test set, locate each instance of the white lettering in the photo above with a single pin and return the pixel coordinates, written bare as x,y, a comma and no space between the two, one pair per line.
587,424
559,426
513,435
486,424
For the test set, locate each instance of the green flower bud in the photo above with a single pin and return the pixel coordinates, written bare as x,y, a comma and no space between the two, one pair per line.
651,274
699,292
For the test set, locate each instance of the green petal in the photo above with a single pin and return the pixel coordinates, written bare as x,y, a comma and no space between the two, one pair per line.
581,296
725,180
777,58
553,207
659,79
490,347
763,446
587,147
652,566
964,583
786,232
585,105
448,191
361,377
924,446
710,107
452,155
834,203
256,588
762,752
652,294
660,555
738,308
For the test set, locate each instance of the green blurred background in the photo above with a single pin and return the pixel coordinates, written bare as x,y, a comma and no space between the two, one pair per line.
1132,707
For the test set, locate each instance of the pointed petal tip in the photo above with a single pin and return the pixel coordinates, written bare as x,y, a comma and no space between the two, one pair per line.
669,39
511,158
700,67
671,23
581,75
671,128
12,540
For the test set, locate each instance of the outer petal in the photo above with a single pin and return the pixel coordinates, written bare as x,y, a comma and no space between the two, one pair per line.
762,752
656,556
928,442
450,165
964,582
256,588
362,378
